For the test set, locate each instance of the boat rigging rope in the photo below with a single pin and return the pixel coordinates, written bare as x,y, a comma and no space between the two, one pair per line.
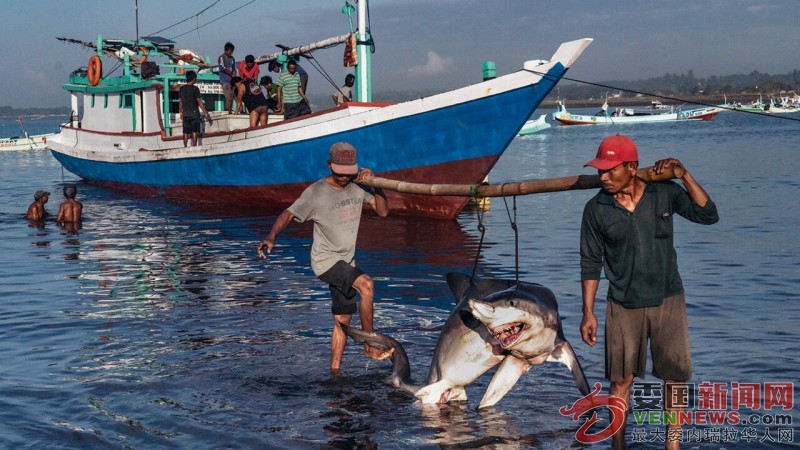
186,19
321,70
212,21
482,229
665,97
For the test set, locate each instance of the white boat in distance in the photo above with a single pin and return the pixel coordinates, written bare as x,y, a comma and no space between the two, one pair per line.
37,142
625,115
534,126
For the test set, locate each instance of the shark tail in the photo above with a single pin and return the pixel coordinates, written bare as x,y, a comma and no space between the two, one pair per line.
565,354
401,373
441,392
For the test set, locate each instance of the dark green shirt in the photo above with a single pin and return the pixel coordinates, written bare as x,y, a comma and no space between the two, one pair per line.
636,248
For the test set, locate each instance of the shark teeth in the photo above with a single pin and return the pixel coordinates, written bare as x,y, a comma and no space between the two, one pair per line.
508,334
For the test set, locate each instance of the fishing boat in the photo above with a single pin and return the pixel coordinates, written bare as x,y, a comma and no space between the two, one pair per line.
756,106
627,115
783,104
125,130
36,142
534,126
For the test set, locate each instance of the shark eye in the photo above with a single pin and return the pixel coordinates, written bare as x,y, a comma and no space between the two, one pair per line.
512,303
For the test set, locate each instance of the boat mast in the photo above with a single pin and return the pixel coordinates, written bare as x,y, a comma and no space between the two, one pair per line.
136,8
363,83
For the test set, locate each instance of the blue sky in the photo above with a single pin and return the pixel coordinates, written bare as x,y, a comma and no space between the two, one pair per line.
420,44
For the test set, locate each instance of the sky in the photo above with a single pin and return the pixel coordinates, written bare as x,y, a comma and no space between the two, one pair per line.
419,44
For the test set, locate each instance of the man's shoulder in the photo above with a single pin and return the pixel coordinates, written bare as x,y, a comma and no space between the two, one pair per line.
601,197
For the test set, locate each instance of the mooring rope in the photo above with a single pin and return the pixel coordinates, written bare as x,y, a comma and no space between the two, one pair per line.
665,97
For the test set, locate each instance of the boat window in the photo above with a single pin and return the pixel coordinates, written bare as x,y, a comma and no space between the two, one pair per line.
174,99
105,100
92,105
127,101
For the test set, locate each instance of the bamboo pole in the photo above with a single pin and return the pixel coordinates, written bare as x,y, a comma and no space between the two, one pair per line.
511,189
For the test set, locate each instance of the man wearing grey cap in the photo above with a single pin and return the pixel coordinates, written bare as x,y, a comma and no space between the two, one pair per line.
334,204
36,210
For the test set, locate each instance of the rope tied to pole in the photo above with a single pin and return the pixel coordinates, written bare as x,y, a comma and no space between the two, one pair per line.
513,222
482,229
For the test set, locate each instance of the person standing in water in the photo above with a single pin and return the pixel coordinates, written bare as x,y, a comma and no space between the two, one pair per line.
70,210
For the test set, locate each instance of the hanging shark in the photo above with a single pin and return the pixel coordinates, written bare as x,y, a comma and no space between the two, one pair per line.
496,321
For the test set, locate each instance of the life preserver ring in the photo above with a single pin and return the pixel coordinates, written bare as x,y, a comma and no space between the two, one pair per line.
95,71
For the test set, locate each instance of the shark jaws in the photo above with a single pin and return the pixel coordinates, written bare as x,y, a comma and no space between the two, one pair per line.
515,325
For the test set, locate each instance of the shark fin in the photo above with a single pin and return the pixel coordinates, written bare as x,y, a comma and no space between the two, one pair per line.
510,370
565,354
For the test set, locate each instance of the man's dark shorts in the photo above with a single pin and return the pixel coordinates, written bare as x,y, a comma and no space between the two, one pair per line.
292,110
341,277
191,125
665,327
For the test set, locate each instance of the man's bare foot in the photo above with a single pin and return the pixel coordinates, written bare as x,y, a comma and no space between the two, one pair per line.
376,353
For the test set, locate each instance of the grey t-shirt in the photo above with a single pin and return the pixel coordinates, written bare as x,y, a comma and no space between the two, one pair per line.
336,214
343,93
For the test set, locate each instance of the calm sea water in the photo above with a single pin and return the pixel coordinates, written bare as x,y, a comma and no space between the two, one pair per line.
156,326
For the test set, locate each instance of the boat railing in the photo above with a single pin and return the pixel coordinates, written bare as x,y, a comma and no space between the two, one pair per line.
221,122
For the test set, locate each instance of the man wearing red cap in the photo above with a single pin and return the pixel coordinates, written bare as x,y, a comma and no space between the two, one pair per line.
627,231
334,204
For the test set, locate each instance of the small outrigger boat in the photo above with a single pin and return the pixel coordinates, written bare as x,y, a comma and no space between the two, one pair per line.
626,115
25,142
125,130
36,142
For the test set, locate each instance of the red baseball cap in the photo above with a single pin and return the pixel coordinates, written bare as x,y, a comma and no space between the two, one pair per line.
613,151
344,158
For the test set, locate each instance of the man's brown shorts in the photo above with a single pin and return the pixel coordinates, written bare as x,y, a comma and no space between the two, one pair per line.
627,333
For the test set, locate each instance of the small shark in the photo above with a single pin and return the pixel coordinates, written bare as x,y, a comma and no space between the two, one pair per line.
495,322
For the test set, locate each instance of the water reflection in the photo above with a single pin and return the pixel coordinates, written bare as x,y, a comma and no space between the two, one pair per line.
454,425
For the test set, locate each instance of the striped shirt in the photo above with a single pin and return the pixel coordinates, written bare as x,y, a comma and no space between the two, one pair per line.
289,85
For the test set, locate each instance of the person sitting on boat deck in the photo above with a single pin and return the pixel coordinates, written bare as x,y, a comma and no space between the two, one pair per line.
627,232
248,93
291,97
36,210
226,64
270,92
248,69
189,108
70,210
344,94
334,204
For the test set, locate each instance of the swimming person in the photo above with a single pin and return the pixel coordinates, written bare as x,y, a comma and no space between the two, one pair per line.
36,209
70,210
